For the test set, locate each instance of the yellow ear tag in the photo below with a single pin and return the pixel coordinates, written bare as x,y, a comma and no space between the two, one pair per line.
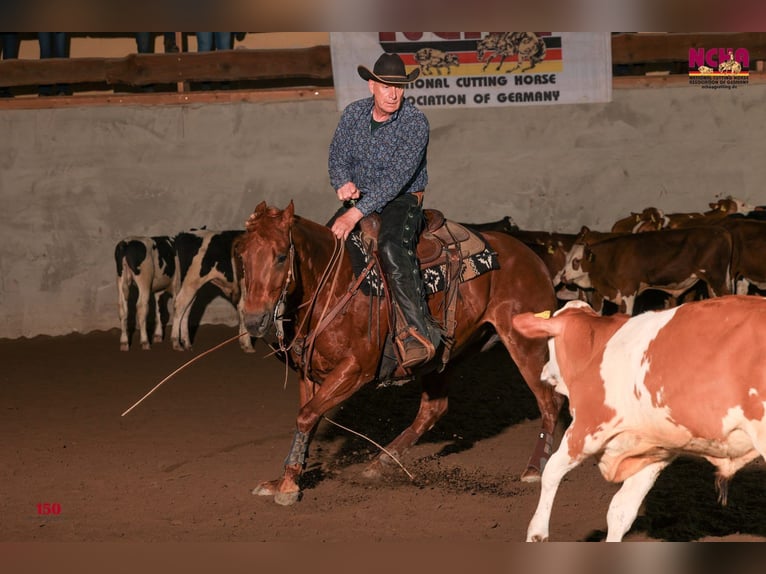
543,314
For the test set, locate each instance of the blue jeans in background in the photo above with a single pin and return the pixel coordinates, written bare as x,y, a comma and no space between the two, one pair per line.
54,45
145,42
10,47
209,41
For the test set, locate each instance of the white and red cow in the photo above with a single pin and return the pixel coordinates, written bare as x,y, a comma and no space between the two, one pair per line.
149,264
205,256
645,389
622,267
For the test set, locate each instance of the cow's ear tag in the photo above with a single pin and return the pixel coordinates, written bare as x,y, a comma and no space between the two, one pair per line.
543,314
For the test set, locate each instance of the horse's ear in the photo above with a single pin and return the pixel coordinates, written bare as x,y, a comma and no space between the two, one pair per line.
288,214
260,209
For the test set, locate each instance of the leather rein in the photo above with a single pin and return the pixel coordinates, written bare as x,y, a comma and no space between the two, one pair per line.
326,316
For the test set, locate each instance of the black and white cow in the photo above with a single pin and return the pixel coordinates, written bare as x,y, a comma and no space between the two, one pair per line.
205,256
149,264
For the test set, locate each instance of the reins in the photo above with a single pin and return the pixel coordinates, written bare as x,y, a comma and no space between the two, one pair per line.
326,316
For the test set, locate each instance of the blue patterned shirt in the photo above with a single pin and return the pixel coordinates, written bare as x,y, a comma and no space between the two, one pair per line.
383,163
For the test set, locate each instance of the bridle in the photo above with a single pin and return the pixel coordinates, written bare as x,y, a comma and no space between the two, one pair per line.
279,308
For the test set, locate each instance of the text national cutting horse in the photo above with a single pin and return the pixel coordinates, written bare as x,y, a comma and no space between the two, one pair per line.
284,259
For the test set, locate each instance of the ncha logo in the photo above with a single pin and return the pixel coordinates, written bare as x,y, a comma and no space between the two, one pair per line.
715,57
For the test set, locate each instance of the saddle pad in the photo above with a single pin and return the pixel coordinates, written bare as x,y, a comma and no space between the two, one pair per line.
434,276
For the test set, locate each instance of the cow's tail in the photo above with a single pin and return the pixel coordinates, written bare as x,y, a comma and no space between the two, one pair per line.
722,487
119,256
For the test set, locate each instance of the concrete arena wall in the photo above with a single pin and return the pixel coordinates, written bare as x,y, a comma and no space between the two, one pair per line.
75,181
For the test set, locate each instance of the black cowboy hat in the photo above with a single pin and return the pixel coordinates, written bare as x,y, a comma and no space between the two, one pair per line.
389,69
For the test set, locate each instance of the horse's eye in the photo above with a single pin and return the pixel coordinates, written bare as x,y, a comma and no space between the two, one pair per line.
281,258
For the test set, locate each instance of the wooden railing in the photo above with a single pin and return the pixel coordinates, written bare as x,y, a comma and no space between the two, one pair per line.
304,72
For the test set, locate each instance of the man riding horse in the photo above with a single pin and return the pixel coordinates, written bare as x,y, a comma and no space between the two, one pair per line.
377,164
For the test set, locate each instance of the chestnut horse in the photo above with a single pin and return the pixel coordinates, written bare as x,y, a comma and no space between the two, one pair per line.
284,260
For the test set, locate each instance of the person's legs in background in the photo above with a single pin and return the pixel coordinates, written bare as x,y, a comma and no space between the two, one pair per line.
10,47
169,39
145,42
224,41
205,44
54,45
204,41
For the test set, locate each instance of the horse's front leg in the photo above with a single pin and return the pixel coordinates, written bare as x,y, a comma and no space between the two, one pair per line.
433,406
316,400
285,489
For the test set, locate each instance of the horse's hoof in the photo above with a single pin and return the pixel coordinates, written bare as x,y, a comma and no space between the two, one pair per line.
373,471
124,347
287,498
145,346
379,468
265,489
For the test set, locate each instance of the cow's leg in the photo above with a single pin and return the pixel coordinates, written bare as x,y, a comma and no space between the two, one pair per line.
433,406
343,382
142,311
625,504
179,333
557,467
123,292
742,286
157,318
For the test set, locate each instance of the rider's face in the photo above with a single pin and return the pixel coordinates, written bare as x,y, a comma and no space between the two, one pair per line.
388,97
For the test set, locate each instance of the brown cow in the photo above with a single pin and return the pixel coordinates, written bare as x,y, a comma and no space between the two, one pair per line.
748,264
652,219
621,268
646,389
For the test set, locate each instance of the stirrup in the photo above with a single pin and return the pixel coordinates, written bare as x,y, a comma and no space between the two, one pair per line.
411,355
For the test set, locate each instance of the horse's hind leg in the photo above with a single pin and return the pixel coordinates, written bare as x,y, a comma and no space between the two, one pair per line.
433,406
530,357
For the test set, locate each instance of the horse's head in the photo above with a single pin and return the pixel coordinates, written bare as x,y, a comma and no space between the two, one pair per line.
265,257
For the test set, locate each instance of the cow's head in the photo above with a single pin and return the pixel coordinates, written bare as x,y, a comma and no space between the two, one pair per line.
576,265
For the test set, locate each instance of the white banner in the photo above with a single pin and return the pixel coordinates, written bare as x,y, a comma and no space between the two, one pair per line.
481,69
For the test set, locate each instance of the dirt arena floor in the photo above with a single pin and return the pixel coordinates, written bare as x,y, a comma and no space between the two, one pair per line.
180,466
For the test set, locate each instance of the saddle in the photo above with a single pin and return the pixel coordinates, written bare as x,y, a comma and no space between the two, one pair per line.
440,242
449,253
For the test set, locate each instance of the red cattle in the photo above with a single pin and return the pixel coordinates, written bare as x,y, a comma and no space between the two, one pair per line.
643,390
653,219
622,267
748,265
650,219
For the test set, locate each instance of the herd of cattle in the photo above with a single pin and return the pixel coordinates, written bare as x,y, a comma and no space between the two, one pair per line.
646,259
178,266
642,387
652,259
